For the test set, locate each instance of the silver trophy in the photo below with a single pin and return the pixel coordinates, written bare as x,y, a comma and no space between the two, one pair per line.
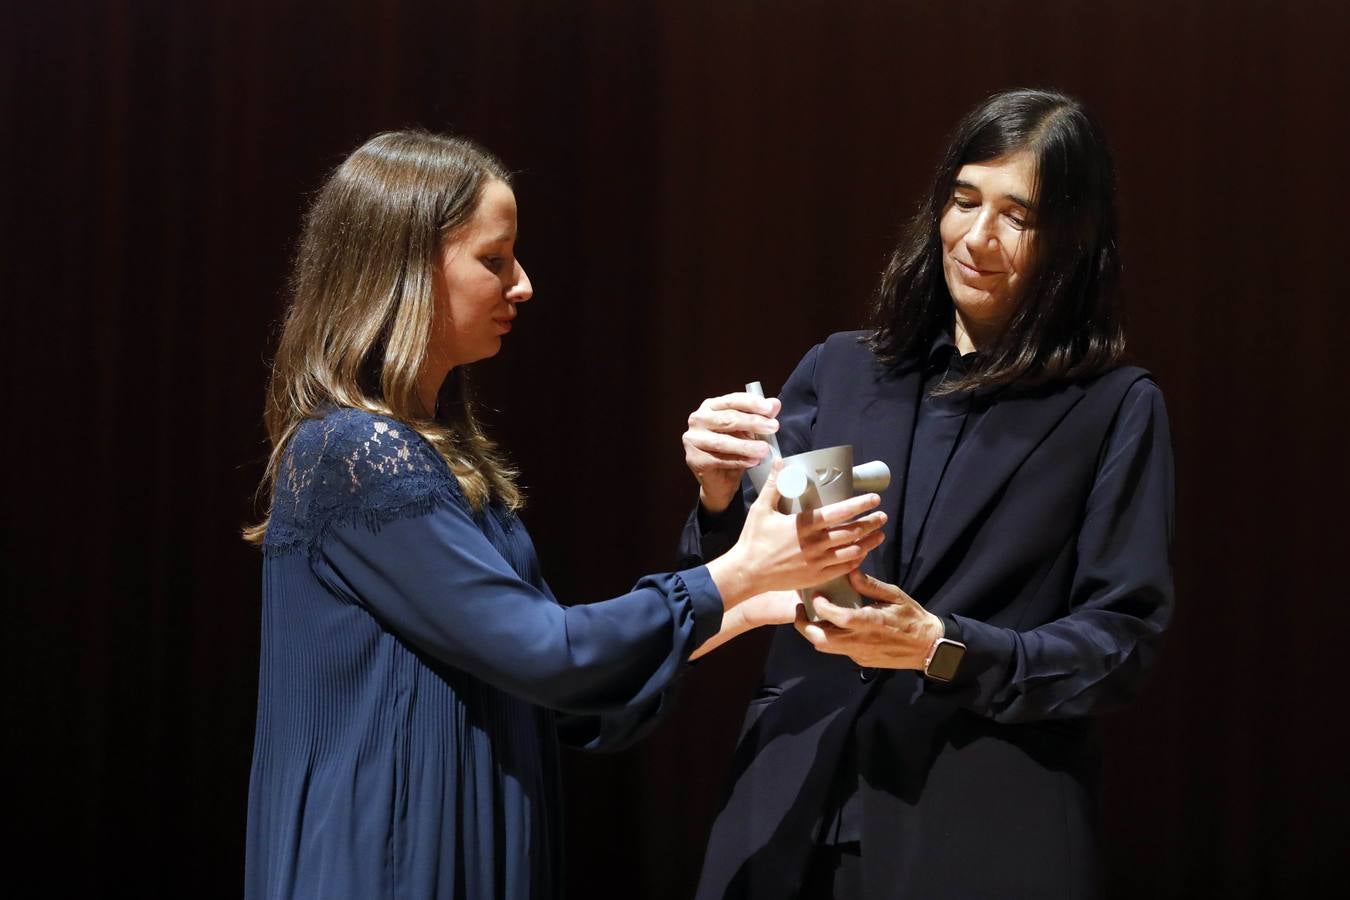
814,479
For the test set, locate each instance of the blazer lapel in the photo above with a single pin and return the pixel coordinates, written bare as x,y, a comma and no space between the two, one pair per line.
887,403
983,462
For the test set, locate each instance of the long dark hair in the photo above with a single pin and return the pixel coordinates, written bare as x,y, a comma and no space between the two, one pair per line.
1068,322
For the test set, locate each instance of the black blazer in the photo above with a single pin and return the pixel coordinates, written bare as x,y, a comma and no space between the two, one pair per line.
1049,541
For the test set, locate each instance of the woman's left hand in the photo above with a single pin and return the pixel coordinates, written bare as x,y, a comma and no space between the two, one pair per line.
895,632
769,608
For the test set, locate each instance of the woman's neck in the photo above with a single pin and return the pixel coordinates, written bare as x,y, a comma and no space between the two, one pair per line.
970,337
428,390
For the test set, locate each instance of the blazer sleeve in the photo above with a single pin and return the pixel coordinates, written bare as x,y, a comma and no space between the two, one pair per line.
1094,658
436,581
707,536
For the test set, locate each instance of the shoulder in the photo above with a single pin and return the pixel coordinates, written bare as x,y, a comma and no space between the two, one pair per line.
351,464
354,452
370,447
844,347
841,352
1129,404
1125,388
838,364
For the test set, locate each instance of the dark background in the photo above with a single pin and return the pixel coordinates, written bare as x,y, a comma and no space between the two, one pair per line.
706,189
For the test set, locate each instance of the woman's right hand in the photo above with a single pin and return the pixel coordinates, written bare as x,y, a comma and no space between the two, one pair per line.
778,551
720,443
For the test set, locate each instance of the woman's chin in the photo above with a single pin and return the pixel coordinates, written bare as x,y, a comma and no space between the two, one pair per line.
492,349
978,304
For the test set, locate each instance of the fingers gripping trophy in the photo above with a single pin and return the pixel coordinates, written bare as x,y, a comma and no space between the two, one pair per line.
814,479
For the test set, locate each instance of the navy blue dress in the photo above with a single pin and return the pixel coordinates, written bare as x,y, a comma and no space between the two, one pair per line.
416,672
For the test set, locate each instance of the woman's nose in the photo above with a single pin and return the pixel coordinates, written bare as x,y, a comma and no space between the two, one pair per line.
981,238
522,290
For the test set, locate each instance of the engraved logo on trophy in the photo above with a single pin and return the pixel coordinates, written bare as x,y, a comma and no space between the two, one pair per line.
827,475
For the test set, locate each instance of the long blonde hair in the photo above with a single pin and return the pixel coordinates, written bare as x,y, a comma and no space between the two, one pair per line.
361,308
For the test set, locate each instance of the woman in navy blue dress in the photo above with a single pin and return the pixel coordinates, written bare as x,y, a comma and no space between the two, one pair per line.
416,671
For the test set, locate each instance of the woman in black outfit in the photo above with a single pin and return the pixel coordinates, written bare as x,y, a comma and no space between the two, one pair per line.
943,741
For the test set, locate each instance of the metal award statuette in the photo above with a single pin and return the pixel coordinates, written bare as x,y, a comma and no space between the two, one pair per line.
814,479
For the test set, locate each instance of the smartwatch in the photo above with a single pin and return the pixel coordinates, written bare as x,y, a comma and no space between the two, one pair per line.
945,656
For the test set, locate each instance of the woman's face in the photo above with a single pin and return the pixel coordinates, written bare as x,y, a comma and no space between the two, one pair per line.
478,283
987,232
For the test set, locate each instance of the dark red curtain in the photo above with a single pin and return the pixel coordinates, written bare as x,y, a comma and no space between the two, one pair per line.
706,189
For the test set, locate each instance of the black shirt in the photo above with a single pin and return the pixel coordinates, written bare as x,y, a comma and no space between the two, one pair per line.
940,421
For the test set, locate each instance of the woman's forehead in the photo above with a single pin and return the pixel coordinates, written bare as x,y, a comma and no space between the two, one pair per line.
1014,173
495,218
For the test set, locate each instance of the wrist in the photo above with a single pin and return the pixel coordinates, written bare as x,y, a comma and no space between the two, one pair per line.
730,572
734,620
937,629
946,651
714,504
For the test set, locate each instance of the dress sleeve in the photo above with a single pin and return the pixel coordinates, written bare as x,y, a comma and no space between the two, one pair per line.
707,536
1095,658
436,581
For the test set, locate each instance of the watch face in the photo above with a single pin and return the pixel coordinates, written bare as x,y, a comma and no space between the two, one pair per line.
946,659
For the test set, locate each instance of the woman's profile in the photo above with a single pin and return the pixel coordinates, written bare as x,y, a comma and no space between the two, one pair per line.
416,674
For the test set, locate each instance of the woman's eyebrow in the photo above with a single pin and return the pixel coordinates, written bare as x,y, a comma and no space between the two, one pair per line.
1016,198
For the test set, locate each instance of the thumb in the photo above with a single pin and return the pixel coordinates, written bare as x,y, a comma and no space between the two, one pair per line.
770,495
875,588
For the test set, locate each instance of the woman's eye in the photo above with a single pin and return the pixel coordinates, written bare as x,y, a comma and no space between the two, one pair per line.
1017,222
965,203
493,264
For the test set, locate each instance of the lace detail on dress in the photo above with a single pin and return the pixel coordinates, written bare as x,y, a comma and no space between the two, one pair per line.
353,466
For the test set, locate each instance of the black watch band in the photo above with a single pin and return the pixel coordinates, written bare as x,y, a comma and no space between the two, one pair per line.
951,628
944,659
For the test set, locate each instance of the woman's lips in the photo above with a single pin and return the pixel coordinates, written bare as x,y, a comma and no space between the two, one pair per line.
503,325
973,272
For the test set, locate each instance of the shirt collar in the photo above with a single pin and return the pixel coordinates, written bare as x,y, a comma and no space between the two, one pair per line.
941,352
943,357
